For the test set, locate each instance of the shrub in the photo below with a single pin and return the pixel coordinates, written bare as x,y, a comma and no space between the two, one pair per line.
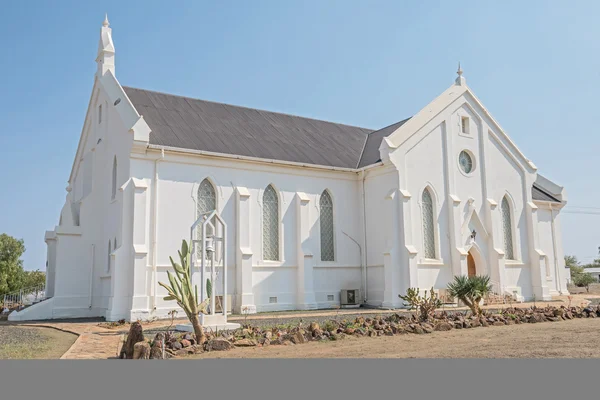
583,279
470,290
424,305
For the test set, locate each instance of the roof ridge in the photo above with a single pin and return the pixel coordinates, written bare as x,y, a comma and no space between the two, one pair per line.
254,109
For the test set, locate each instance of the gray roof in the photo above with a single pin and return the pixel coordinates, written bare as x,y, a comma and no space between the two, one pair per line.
370,153
188,123
537,193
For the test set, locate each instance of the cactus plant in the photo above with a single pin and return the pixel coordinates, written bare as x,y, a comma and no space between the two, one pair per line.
181,289
424,305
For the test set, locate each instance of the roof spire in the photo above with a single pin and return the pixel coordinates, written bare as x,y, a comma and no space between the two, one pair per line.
106,49
460,80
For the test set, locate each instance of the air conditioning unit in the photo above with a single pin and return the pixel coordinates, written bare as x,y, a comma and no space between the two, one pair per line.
350,297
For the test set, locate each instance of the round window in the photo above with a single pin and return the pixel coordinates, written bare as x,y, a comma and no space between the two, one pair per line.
466,162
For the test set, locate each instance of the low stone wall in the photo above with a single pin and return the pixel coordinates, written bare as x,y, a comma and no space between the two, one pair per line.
177,344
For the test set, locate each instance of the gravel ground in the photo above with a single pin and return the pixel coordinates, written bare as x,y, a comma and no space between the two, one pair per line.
23,343
566,339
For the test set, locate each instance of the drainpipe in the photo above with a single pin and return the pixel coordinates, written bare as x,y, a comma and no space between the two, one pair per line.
364,260
91,291
557,282
154,230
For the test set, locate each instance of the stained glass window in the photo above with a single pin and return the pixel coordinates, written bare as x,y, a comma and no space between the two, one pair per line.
326,220
428,227
206,202
466,162
509,253
270,224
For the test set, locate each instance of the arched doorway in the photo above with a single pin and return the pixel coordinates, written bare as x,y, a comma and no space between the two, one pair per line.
472,270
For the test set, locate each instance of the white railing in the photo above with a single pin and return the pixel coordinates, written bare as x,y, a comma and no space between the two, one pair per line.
23,298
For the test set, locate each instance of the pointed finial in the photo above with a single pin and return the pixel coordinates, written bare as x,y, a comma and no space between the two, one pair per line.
460,80
105,23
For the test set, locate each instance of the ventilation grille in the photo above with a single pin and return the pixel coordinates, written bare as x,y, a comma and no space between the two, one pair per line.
330,297
272,300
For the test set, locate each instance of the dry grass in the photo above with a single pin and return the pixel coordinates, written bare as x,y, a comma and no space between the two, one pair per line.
19,342
567,339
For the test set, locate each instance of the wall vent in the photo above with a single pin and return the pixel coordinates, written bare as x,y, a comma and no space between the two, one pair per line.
330,297
272,300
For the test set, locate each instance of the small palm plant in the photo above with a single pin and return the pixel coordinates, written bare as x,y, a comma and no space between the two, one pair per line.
182,290
470,290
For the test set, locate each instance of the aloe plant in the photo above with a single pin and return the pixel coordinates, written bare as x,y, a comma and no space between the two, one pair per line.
181,289
470,290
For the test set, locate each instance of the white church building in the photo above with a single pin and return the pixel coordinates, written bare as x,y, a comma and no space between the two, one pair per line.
312,207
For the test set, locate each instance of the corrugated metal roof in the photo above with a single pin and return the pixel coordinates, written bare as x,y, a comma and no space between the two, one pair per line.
537,193
195,124
370,153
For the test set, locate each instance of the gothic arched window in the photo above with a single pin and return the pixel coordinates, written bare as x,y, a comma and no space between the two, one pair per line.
509,253
428,225
326,221
207,200
270,224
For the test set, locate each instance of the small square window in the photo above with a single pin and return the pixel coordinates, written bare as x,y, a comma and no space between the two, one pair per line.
464,125
272,300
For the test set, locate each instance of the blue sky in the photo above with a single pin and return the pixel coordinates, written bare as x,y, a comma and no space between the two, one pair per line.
534,64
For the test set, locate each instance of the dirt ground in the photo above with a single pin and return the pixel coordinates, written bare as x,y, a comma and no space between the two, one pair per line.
567,339
19,342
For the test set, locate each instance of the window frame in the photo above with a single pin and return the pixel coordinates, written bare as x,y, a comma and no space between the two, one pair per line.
432,197
333,225
280,257
506,200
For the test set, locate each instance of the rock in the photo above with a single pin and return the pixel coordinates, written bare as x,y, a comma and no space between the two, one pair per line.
443,326
287,343
498,323
141,351
135,335
218,344
245,343
264,341
418,330
483,322
510,321
297,338
185,343
157,351
458,324
176,346
427,328
314,326
349,331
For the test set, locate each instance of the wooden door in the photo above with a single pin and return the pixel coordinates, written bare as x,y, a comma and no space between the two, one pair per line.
471,265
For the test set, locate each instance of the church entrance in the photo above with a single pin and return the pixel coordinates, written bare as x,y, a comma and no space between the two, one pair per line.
472,271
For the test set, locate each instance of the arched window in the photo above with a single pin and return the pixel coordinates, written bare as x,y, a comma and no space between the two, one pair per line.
270,224
114,178
206,202
109,253
326,220
428,225
509,253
